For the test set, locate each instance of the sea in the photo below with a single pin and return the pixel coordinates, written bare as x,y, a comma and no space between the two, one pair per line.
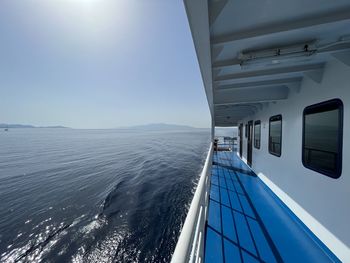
118,195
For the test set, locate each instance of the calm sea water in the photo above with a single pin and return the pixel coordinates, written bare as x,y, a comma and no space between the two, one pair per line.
95,195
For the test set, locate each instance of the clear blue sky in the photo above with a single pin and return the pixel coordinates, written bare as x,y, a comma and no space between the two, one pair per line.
98,64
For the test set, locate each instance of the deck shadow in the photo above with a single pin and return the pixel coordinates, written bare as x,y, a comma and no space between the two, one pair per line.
235,169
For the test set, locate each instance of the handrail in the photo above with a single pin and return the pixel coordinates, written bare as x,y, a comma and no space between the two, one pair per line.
226,141
189,232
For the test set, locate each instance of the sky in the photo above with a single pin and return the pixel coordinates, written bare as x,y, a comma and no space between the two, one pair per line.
98,64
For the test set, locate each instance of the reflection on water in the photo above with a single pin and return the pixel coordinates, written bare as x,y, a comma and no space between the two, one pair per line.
95,195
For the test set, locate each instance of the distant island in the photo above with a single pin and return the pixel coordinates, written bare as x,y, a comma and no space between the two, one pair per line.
146,127
160,126
15,126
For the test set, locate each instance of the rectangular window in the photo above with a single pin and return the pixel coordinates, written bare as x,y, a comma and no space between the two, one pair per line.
246,130
275,135
323,137
257,134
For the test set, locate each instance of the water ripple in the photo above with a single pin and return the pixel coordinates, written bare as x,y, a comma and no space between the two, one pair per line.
95,195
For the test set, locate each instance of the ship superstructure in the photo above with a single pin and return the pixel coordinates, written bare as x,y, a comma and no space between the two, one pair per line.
280,72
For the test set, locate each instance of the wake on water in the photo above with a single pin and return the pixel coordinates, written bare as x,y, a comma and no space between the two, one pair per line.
90,199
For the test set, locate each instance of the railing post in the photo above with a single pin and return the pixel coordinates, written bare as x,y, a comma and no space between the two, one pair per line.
188,233
212,130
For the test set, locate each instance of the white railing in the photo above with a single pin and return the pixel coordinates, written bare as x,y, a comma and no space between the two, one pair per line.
189,247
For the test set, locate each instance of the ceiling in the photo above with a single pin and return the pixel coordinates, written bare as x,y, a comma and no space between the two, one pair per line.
255,52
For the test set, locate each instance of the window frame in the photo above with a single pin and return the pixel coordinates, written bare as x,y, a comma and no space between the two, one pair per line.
319,108
271,119
258,122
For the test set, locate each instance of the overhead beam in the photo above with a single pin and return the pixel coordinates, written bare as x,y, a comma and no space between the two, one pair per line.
216,51
230,119
343,57
270,82
240,106
231,124
287,25
333,48
227,63
234,111
247,101
251,95
215,8
315,75
216,72
226,125
224,118
256,88
255,106
234,114
221,122
271,71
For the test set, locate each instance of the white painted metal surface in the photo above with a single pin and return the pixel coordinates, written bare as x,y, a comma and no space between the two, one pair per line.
191,235
321,202
241,89
237,88
195,10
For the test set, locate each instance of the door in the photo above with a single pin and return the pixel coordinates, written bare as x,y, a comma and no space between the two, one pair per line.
240,140
250,143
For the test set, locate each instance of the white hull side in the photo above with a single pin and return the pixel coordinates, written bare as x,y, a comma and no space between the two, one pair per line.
321,202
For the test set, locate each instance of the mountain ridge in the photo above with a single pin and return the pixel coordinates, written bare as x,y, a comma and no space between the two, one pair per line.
19,126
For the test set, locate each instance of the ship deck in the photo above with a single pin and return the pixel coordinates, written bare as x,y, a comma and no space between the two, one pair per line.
247,222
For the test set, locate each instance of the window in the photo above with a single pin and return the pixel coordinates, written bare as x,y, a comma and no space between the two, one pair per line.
275,135
257,134
323,137
246,130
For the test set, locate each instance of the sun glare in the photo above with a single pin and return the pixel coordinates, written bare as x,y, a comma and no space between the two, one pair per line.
92,22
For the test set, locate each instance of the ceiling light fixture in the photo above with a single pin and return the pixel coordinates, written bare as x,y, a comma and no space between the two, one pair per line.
275,56
293,53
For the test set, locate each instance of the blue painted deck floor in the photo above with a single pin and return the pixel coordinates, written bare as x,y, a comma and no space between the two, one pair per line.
248,223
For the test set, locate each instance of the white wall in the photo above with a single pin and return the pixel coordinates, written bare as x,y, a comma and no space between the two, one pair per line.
321,202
